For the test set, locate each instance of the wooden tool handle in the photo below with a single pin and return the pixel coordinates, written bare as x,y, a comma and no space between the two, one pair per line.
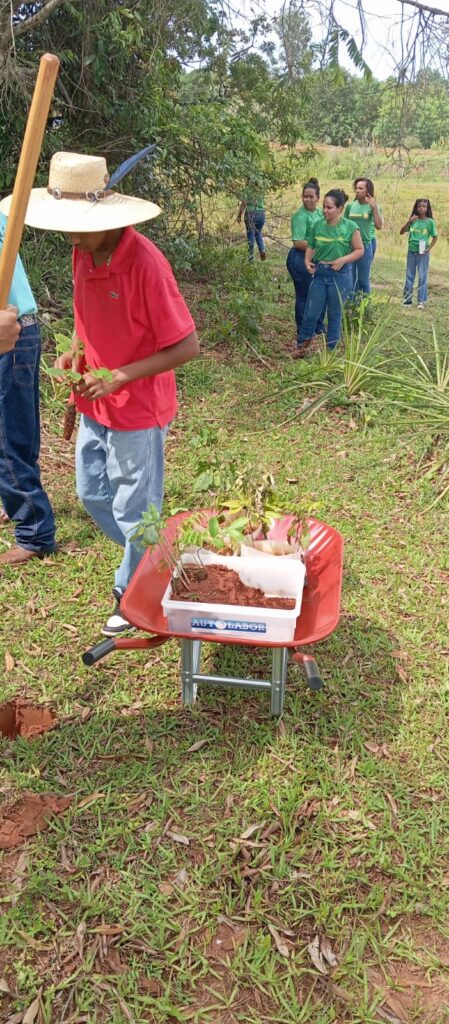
31,147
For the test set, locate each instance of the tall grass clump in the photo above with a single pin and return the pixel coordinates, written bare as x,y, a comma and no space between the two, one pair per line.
421,391
349,374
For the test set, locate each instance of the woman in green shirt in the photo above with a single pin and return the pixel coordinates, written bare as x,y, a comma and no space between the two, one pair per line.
252,209
422,236
302,221
333,244
364,212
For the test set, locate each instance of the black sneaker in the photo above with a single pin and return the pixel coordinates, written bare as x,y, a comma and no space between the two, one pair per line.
116,623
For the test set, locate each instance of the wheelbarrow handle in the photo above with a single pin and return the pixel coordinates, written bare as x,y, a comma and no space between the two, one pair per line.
314,679
99,651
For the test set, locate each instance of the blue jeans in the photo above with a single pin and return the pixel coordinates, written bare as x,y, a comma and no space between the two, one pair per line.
416,263
21,491
118,474
373,248
329,290
254,222
302,281
361,270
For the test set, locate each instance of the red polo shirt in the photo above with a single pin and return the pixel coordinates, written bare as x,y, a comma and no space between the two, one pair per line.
126,310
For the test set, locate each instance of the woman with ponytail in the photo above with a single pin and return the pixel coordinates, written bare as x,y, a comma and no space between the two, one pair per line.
334,243
302,222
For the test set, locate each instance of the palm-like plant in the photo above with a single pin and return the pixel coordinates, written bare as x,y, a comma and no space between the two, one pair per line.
350,371
422,392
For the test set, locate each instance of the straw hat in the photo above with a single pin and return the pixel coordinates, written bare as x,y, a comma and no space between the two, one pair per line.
77,199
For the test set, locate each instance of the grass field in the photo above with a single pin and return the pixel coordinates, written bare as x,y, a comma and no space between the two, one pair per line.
108,918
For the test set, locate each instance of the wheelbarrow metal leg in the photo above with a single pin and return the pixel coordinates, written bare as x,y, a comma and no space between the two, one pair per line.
278,677
190,664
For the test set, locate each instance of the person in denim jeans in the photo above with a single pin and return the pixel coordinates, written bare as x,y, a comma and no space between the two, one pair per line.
301,223
367,217
132,329
24,500
333,244
253,212
422,236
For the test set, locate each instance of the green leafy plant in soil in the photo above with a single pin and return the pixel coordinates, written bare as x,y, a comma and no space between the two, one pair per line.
214,864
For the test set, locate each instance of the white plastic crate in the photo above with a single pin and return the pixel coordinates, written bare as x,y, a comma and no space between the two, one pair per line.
276,577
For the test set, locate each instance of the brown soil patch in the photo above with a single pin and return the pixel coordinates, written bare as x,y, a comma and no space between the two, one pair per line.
29,814
216,584
410,989
23,718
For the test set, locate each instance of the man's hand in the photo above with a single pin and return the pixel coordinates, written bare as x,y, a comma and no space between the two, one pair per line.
310,267
66,361
91,387
9,328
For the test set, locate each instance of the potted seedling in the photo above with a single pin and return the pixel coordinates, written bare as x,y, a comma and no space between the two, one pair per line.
216,593
270,529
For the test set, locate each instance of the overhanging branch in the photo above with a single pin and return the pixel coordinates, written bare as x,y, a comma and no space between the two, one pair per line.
37,19
426,8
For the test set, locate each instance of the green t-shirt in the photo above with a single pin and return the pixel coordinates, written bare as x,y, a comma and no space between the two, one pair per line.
254,200
331,241
20,294
372,232
361,214
425,228
302,222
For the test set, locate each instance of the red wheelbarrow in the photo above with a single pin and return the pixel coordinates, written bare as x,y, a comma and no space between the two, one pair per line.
320,612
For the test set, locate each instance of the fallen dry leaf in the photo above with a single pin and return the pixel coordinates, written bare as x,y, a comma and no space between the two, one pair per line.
181,878
327,951
178,838
166,889
86,800
143,800
80,934
251,830
197,746
373,748
31,1013
316,956
4,987
393,804
9,661
281,946
228,804
16,1018
18,876
152,986
148,744
182,935
108,929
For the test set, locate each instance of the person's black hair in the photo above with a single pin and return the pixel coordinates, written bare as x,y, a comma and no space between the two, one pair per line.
312,183
339,197
369,185
415,207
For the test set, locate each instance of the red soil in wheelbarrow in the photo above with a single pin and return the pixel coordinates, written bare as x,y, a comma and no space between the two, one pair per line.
29,814
23,718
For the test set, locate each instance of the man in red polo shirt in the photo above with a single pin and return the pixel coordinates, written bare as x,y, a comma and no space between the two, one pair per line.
131,320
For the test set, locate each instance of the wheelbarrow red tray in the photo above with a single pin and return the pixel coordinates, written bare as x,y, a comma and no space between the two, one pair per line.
320,612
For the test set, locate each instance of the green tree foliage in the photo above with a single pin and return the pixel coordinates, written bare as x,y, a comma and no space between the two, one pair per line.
414,112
